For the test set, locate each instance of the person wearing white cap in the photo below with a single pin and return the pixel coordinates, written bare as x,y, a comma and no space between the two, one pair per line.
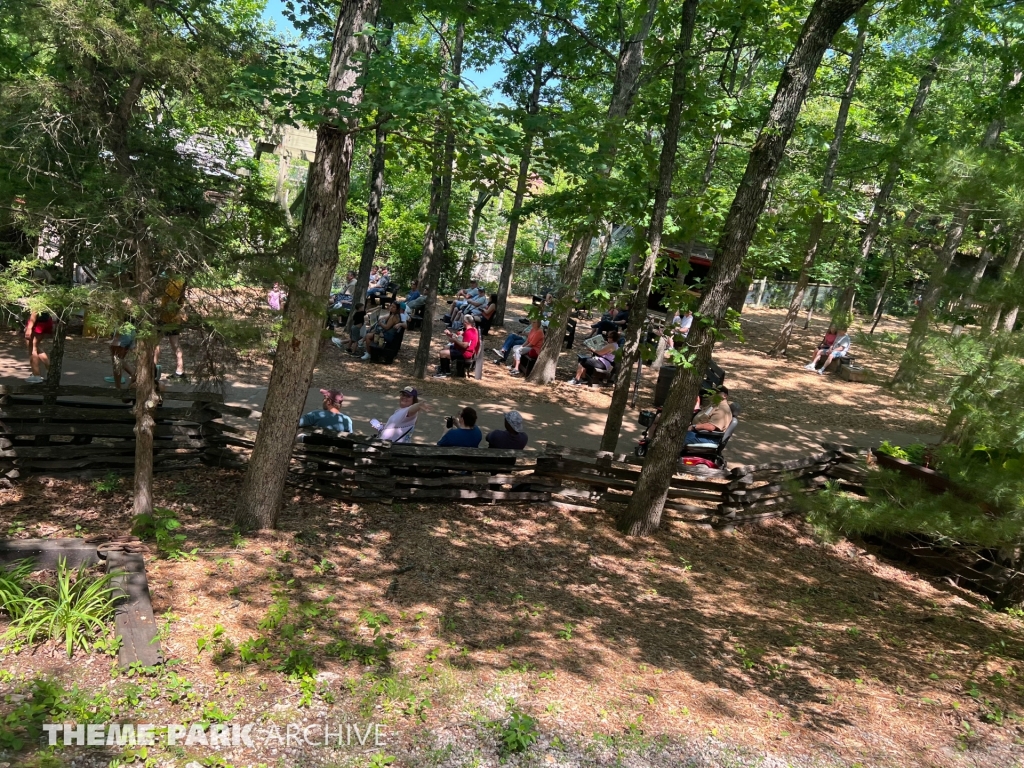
512,436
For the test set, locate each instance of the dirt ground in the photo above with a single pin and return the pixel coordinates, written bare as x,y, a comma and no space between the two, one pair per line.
442,622
761,647
771,391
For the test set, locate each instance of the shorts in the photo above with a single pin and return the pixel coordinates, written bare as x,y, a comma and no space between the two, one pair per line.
43,327
171,330
355,333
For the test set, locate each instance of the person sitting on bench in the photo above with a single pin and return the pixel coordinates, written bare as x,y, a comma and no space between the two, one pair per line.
474,305
511,342
464,433
464,344
530,346
613,320
486,312
602,359
384,331
512,436
414,300
710,422
378,290
463,295
356,331
838,347
331,416
343,300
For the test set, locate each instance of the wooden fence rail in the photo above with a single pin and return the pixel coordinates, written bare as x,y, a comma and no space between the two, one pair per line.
83,431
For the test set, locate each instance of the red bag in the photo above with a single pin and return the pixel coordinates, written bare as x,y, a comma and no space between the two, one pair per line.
697,461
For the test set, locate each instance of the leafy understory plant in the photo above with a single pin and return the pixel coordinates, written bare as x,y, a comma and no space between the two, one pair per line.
162,527
14,588
517,733
77,609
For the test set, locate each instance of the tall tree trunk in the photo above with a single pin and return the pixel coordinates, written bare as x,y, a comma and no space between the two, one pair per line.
323,213
817,224
624,90
522,183
68,250
826,17
666,170
1012,270
709,167
913,362
606,241
433,256
476,211
371,240
437,158
979,273
281,188
880,205
373,206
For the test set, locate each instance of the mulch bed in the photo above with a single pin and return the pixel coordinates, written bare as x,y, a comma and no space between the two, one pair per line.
764,639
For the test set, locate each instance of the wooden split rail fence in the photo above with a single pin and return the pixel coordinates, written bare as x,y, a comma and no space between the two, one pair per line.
77,431
742,494
82,431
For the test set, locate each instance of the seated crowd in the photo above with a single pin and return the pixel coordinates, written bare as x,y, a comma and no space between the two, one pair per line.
462,430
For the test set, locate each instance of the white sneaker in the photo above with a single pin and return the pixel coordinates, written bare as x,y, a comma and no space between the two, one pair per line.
821,371
365,357
35,380
809,367
336,341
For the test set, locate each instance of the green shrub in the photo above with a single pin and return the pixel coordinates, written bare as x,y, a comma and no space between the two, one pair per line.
76,609
161,527
14,588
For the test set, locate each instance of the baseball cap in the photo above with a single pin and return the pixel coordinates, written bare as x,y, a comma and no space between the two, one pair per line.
333,395
411,392
515,420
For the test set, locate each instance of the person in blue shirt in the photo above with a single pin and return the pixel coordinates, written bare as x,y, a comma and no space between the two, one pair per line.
465,433
331,416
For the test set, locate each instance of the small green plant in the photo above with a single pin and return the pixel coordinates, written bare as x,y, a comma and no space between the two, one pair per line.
237,541
379,760
517,734
324,566
76,609
373,620
206,641
107,484
162,527
14,588
565,633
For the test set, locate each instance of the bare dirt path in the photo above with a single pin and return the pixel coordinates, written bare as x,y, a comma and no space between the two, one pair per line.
787,411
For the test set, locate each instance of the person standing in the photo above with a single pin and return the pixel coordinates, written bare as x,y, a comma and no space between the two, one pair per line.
276,298
171,320
38,326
